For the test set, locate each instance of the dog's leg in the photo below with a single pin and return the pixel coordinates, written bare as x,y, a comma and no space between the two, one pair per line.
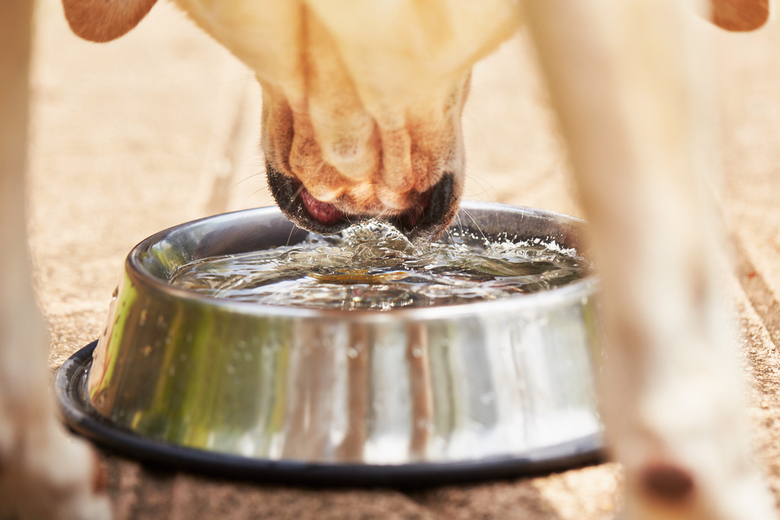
623,78
43,473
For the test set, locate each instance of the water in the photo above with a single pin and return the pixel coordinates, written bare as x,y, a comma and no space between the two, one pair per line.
373,266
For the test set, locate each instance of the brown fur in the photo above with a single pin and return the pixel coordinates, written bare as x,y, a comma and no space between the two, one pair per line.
740,15
105,20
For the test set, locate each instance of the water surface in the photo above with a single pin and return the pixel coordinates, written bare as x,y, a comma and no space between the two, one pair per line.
373,266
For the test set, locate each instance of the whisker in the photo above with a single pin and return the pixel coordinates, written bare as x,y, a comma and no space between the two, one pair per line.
460,223
261,190
479,229
449,235
481,181
382,214
289,237
248,177
295,196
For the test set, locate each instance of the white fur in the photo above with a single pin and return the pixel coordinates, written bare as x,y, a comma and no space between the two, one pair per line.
44,474
628,81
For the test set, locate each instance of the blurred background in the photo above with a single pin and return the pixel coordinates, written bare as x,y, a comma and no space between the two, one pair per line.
162,126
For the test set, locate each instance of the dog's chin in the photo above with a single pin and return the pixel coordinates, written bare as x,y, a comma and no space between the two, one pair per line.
425,221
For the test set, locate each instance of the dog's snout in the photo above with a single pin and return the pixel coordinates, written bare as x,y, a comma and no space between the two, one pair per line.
426,217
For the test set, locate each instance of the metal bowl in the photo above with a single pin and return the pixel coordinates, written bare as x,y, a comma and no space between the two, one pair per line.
485,389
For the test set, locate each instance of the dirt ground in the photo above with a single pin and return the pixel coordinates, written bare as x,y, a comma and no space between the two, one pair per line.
161,127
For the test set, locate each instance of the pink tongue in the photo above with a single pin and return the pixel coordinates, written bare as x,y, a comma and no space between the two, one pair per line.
322,212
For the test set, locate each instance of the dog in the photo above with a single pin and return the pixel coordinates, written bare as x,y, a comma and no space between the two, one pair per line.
361,118
44,474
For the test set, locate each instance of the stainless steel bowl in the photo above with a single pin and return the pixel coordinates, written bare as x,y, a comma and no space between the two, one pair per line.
504,382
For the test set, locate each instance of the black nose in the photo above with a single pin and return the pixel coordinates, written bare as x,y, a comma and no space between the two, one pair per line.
440,204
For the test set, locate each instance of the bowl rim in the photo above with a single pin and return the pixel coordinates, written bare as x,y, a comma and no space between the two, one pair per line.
538,301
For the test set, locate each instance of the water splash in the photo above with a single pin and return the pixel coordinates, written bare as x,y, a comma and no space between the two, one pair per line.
373,266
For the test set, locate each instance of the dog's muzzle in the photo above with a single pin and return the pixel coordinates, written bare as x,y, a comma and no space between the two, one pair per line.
424,221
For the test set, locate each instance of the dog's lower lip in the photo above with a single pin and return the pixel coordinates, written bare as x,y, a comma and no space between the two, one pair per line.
323,212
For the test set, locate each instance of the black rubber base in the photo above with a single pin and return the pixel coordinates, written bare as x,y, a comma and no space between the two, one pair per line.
78,414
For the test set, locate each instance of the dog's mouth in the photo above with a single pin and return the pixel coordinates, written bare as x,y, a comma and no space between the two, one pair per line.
425,220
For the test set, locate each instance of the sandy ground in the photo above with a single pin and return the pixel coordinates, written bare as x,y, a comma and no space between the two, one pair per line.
162,127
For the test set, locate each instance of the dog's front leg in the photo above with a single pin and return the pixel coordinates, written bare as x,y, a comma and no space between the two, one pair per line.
625,79
43,473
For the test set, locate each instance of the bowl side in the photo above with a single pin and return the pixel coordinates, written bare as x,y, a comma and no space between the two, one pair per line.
426,385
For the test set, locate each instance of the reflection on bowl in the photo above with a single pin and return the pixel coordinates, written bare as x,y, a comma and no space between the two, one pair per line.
494,379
